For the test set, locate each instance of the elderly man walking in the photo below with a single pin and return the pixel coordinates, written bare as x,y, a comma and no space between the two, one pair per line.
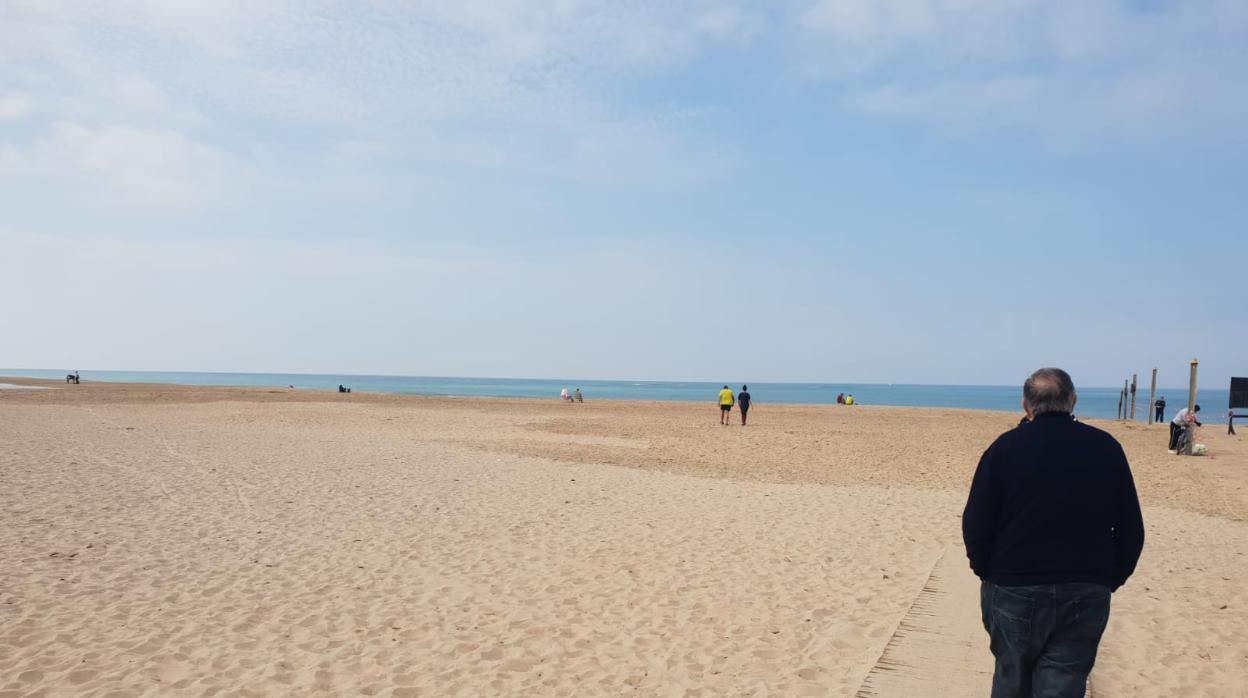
1052,526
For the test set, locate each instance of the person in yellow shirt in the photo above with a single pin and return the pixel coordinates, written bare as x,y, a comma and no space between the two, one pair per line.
726,399
849,399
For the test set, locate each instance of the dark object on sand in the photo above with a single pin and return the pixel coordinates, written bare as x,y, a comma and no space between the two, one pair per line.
1239,399
1239,394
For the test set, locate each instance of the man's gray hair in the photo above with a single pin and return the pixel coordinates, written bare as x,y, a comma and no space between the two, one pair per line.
1049,390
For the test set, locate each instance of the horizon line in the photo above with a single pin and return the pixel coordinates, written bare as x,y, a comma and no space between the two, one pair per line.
573,380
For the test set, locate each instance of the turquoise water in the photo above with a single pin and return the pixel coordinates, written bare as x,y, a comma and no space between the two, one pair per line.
1093,402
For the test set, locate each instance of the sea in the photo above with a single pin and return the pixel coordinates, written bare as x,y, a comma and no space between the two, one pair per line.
1093,402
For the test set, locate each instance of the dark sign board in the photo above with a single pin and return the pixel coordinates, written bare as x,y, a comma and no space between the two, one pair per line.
1239,393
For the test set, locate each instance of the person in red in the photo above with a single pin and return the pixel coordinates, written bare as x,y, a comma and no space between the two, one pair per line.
1053,527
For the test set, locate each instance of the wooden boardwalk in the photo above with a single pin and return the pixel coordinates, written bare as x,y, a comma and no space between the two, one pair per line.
939,648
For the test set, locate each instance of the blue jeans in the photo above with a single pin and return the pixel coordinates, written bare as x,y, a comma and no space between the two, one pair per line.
1044,637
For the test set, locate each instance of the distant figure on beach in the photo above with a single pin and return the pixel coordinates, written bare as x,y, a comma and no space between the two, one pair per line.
849,399
743,401
725,404
840,398
341,389
1183,420
72,378
1052,526
577,396
1160,407
563,395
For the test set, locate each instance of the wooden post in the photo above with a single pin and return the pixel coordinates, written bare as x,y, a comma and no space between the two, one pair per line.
1124,398
1191,409
1152,397
1191,389
1133,377
1121,395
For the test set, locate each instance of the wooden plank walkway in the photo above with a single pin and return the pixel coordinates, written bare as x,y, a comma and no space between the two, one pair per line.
939,648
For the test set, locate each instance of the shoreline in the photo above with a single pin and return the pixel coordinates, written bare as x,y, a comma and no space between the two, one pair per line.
329,395
570,381
1095,403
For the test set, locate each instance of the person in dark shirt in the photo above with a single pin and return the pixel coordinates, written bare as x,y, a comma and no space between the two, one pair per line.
743,402
1052,526
1160,407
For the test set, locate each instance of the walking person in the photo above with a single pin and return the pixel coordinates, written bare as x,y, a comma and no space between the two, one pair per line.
725,405
1052,527
743,402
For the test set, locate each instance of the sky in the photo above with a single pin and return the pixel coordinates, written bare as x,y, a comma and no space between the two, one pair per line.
903,191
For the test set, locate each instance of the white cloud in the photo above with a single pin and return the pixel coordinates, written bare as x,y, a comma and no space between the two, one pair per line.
502,85
380,59
1060,66
14,106
727,23
134,167
868,20
959,102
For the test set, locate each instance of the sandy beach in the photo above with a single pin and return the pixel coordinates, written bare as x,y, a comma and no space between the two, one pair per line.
188,541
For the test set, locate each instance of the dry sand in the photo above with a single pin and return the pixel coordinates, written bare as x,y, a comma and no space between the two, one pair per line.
169,541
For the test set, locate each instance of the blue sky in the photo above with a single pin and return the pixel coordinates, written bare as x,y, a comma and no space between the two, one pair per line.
944,191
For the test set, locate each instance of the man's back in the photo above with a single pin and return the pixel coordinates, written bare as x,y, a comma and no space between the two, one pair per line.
1053,501
1052,525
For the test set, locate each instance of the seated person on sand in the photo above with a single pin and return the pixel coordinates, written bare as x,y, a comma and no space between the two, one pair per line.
849,399
563,395
578,396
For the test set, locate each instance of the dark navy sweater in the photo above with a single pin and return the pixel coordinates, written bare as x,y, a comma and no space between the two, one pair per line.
1053,501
